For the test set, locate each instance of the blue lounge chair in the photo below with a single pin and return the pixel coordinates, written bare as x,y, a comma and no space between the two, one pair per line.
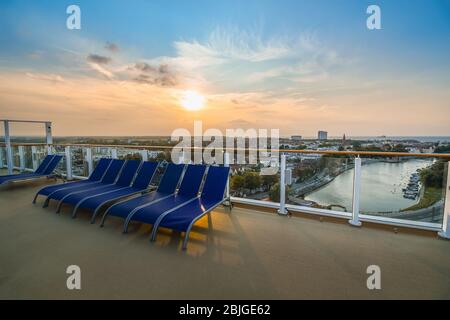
140,185
189,188
95,177
184,217
44,164
125,178
108,179
166,188
45,169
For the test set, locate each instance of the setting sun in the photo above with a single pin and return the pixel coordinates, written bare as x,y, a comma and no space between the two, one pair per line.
192,101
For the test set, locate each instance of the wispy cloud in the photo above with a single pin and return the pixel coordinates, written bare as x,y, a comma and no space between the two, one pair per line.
45,77
100,69
98,59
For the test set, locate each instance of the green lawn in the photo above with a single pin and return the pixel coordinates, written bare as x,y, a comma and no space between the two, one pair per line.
430,196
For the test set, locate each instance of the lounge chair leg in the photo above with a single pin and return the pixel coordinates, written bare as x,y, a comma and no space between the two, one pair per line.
125,226
74,211
102,223
94,215
58,208
186,238
45,205
154,233
35,197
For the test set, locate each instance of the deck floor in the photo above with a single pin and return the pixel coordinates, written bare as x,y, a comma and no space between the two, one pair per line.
244,254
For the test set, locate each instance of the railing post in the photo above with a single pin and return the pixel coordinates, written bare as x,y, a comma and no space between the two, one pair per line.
226,163
445,232
114,153
356,193
89,160
68,163
144,155
34,157
21,158
1,159
181,158
282,210
9,157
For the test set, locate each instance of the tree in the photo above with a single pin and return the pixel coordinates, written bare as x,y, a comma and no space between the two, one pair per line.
252,180
237,183
274,193
399,148
433,176
442,149
268,181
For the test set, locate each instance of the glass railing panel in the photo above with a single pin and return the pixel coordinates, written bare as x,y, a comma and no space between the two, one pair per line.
41,152
162,155
62,165
79,163
100,152
27,132
129,154
15,155
250,181
322,181
409,188
28,157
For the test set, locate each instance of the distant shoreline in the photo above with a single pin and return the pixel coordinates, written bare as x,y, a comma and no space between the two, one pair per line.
362,138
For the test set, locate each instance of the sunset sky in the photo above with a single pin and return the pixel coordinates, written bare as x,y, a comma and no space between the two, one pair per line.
149,67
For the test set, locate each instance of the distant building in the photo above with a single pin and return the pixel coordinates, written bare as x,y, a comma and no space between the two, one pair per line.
322,135
296,138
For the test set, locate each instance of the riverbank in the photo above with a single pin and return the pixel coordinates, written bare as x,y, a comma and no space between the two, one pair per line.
429,197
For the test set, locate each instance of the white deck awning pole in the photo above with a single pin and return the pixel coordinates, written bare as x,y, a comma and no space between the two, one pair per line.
445,232
49,137
282,210
9,157
356,193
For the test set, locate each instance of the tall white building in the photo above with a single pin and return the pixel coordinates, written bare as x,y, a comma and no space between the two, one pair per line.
322,135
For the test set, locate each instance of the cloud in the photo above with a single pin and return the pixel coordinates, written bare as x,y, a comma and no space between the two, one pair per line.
110,46
98,59
160,75
97,67
144,67
97,63
46,77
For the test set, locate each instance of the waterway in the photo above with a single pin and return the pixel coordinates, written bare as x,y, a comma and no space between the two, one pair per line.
381,186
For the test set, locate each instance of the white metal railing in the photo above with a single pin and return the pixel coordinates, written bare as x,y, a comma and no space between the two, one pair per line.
354,217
